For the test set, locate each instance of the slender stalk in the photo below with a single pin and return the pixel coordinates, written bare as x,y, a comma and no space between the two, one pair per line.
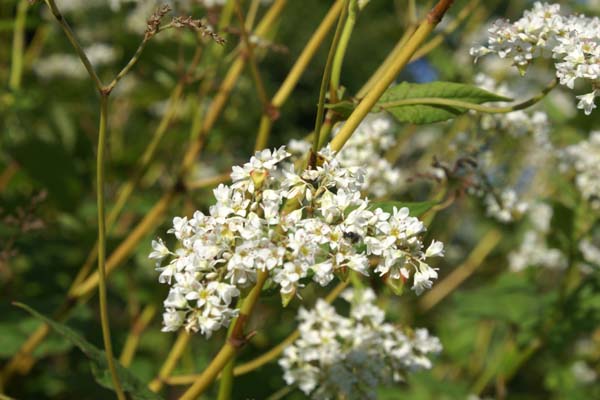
171,361
307,54
16,67
150,220
102,248
226,87
325,82
248,48
288,85
367,103
340,53
78,49
133,339
442,289
471,106
267,109
235,340
130,64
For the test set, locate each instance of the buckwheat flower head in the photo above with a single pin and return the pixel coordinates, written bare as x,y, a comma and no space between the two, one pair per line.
297,226
352,356
572,42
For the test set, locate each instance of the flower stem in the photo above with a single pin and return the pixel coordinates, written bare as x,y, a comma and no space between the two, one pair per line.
325,82
102,247
340,53
388,76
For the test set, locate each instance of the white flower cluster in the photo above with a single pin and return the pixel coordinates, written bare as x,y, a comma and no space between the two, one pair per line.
349,357
366,148
572,41
296,227
533,250
584,159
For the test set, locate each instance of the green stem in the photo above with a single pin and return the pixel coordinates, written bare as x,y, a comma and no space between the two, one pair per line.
471,106
234,341
102,247
260,88
16,68
325,81
129,65
71,37
340,53
390,74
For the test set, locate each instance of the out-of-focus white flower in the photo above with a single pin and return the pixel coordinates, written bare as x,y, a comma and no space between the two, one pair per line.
583,373
506,207
584,159
533,250
352,356
70,66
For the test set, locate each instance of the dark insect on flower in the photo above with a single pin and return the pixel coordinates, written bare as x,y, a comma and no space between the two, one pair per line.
352,236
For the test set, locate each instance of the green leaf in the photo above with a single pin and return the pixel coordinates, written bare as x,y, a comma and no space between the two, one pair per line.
131,384
430,113
344,108
416,209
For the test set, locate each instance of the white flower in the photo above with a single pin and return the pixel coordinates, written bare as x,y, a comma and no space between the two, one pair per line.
435,249
160,250
586,102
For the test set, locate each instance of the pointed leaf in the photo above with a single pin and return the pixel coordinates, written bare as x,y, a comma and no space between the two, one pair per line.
429,113
131,384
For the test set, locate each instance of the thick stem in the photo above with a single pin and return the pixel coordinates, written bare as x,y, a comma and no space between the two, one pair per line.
102,248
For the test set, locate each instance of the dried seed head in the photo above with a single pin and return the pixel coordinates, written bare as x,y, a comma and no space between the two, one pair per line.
153,25
197,25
